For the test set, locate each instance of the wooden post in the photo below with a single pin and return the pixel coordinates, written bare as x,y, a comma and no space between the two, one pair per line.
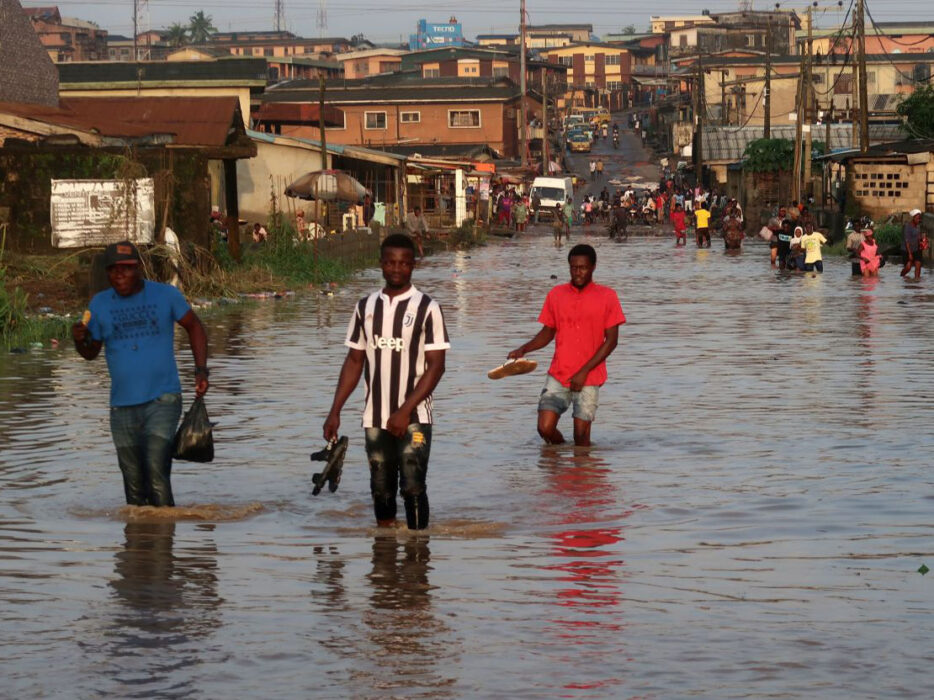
523,117
546,170
233,207
767,119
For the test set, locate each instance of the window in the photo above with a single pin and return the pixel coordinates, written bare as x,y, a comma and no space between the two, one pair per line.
431,73
612,59
683,41
870,77
374,120
500,71
410,117
589,58
614,85
464,118
566,60
921,72
267,52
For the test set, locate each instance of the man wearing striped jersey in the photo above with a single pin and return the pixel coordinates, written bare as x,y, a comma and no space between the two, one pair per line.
397,340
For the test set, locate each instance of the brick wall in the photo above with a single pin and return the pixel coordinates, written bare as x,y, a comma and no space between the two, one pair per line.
27,74
881,189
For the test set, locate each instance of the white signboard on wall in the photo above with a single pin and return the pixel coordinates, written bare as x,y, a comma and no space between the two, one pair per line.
98,212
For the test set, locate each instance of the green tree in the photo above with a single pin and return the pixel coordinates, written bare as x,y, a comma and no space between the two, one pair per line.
918,112
176,34
769,155
200,27
629,29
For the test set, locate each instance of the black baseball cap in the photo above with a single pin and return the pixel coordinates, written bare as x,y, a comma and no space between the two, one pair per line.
121,253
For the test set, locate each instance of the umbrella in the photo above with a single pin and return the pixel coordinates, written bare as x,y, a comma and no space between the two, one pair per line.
327,185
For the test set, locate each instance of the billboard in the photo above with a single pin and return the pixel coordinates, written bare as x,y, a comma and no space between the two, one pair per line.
98,212
431,35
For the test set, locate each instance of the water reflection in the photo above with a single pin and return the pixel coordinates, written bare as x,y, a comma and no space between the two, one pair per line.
168,604
586,565
410,642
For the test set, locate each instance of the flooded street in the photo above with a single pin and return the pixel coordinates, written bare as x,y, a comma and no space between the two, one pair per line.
749,523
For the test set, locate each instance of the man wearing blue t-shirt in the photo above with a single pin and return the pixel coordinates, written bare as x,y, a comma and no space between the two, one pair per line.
135,321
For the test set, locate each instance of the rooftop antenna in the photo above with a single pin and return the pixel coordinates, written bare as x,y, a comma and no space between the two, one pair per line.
321,21
280,15
745,5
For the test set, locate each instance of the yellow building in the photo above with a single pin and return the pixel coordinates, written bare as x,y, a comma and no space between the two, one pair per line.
601,70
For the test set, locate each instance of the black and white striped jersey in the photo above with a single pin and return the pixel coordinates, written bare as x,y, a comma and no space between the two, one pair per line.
395,333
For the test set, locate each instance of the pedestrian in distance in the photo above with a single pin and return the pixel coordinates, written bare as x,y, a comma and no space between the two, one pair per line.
415,226
869,259
599,168
134,322
911,244
583,319
680,226
811,243
702,225
593,170
398,336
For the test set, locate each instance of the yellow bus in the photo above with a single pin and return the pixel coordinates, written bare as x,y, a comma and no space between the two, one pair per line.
600,115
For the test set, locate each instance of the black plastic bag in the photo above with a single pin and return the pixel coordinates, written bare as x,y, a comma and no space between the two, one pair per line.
194,441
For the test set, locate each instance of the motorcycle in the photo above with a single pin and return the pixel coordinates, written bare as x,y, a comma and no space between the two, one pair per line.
615,140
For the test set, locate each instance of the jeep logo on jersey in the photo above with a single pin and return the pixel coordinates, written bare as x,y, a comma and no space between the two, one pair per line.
378,342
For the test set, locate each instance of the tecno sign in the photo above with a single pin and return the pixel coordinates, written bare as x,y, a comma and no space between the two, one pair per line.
443,28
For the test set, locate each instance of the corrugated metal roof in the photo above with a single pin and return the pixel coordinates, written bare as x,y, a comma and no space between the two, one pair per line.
231,70
194,121
298,113
723,143
185,121
395,94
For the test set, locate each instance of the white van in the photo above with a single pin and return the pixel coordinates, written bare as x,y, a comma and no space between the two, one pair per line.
551,192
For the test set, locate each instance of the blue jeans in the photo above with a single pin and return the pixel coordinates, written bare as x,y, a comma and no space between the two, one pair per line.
557,398
144,436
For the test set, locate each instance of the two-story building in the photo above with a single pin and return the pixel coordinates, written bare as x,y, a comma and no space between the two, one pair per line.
598,74
885,37
277,44
367,62
67,38
457,114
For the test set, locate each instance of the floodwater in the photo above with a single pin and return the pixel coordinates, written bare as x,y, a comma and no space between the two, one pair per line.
749,524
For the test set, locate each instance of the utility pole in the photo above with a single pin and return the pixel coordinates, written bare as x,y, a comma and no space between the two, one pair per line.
854,69
523,121
546,170
324,138
767,121
810,106
699,108
135,29
799,132
863,84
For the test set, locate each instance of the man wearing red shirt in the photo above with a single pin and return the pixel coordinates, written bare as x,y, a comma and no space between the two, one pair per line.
583,318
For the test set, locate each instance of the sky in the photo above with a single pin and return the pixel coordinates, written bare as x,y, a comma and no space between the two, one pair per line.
394,20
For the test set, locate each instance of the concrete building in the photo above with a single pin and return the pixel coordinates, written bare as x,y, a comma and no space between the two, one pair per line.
243,78
27,73
456,113
885,37
668,23
603,70
67,38
276,43
367,62
756,31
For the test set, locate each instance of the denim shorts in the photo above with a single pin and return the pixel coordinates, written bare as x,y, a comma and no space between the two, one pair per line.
557,398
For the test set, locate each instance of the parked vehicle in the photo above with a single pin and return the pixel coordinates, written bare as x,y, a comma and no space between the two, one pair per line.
551,192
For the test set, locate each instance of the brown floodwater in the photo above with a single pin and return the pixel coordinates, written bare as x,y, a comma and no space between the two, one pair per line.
750,522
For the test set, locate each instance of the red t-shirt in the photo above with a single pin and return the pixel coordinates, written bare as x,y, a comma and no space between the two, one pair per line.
580,318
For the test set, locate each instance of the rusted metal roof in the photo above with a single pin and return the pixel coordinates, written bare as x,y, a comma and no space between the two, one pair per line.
298,113
193,122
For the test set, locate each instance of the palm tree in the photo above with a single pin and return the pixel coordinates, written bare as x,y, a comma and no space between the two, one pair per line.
200,27
176,34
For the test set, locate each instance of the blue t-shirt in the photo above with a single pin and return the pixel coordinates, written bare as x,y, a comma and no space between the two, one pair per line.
138,333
